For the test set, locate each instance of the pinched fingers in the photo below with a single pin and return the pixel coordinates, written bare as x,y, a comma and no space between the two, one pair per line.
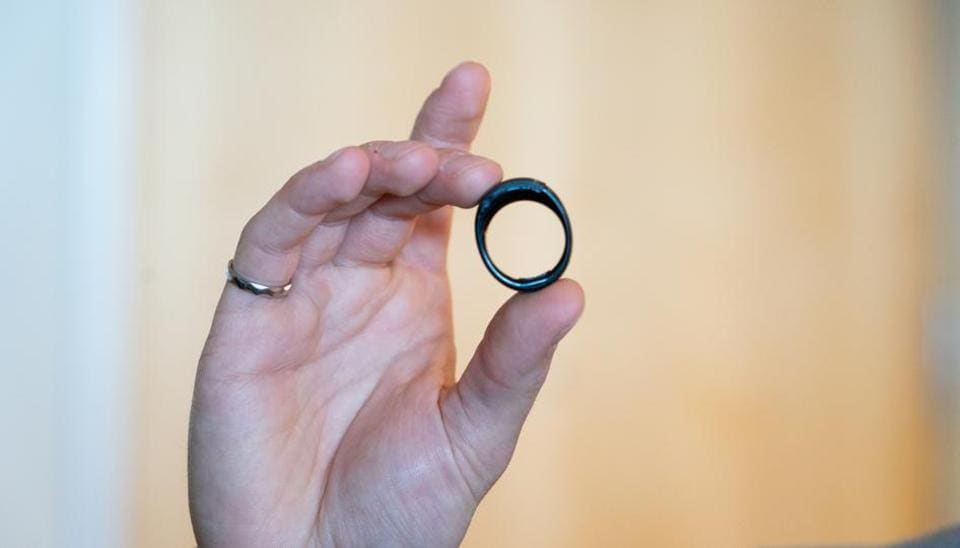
268,250
362,204
397,168
320,197
379,234
462,179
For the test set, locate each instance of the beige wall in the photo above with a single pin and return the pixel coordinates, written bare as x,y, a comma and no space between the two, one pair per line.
749,185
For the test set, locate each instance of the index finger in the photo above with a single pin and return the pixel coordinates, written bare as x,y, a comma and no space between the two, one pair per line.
451,115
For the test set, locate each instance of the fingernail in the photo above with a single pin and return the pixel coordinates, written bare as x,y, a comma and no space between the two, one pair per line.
334,156
566,330
454,69
573,323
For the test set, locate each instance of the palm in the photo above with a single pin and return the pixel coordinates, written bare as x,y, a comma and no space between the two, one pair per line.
331,416
327,423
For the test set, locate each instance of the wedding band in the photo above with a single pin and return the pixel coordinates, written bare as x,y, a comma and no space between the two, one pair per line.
515,190
252,286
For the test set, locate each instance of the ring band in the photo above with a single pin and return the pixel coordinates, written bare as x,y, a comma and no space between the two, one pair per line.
515,190
254,287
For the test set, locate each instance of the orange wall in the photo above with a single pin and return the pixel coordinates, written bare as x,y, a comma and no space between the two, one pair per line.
749,184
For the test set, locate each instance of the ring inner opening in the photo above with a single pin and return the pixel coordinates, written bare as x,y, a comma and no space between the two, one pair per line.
525,239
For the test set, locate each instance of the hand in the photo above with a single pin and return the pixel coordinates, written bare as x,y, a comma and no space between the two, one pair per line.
331,415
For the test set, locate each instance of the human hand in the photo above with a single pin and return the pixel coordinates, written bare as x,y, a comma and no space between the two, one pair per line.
331,416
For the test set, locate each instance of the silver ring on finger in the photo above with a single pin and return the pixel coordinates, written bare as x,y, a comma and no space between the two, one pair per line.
254,286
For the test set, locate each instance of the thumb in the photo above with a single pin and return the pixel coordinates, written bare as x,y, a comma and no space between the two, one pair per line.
484,412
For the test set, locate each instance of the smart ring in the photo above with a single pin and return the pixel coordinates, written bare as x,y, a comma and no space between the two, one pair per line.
516,190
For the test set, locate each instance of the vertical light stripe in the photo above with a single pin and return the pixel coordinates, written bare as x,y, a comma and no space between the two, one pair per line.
99,194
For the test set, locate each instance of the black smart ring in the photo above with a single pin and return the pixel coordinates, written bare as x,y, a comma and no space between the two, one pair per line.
516,190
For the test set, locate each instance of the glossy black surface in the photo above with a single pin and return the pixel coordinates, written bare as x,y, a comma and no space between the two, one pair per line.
515,190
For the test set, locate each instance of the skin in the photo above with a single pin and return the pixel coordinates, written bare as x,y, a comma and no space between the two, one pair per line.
332,416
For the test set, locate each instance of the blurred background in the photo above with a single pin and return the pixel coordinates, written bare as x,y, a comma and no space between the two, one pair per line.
765,199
